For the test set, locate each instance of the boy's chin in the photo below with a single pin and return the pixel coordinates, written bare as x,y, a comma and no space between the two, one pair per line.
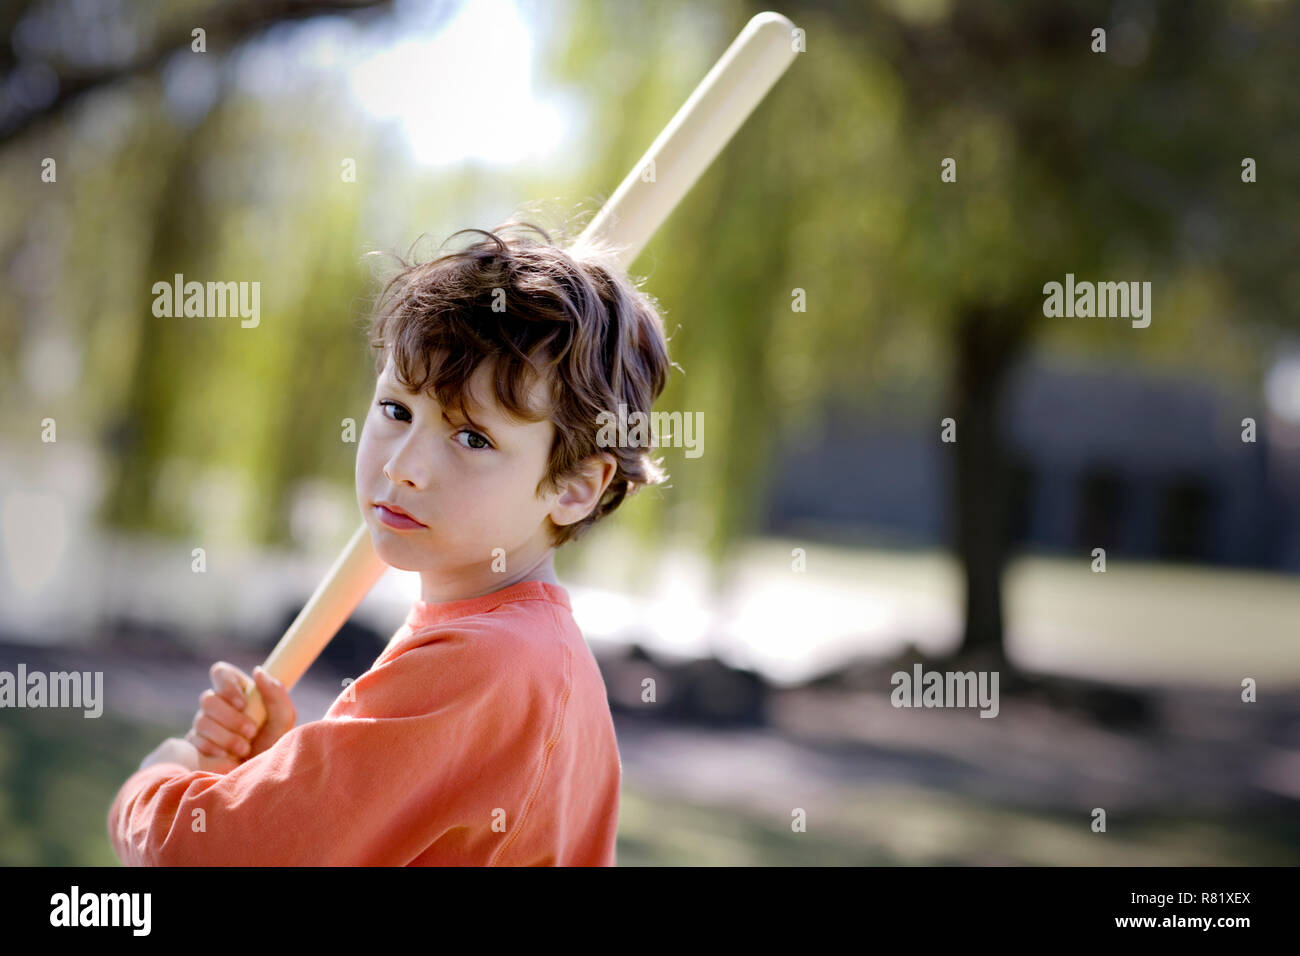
393,553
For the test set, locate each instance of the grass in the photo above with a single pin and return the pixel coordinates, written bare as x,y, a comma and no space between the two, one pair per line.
913,826
60,772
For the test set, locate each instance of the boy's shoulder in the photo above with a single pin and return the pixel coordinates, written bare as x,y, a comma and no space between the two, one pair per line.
530,619
508,647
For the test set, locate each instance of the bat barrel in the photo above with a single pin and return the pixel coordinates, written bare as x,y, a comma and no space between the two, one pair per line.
695,135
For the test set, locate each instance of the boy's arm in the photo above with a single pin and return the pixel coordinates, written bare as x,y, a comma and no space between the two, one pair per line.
445,735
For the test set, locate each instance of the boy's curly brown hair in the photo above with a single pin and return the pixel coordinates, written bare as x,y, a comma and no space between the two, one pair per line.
532,308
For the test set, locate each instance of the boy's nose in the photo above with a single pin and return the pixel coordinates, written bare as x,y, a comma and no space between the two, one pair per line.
397,476
410,467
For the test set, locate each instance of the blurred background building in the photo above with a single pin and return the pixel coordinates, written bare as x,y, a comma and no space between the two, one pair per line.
1149,466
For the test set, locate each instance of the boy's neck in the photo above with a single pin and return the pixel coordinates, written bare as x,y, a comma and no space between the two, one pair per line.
441,591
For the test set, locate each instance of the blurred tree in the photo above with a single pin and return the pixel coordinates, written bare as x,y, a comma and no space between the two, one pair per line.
163,399
59,52
1115,166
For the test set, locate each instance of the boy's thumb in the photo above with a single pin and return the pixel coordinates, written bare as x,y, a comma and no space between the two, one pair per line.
275,695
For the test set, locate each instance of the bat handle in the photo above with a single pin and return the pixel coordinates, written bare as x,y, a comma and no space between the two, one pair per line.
254,706
344,586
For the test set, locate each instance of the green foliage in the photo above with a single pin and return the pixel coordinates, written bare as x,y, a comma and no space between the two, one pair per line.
1124,165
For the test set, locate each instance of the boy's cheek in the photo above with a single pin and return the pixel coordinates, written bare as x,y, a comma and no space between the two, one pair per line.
365,454
365,478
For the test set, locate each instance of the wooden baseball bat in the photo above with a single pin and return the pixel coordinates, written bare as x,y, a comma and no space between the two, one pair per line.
678,157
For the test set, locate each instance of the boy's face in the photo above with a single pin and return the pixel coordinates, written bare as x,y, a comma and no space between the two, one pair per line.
473,489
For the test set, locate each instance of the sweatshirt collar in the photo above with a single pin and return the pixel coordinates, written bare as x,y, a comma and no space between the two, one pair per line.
423,614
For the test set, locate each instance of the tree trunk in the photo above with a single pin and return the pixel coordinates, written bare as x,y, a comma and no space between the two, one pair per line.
986,342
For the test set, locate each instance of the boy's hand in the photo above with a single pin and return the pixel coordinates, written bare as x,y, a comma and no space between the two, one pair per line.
223,736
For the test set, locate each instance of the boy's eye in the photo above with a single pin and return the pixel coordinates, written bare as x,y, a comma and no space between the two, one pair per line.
474,437
395,405
476,442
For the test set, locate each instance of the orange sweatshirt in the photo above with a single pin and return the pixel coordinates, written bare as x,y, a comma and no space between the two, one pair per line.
481,736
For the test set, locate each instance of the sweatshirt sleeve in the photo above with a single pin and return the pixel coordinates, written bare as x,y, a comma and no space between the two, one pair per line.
445,735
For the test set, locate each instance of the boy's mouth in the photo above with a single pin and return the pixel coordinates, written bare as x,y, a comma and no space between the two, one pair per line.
395,517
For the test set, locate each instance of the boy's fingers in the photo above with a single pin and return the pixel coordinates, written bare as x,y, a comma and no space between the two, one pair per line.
206,747
212,758
272,689
280,712
229,682
225,714
285,714
230,742
201,743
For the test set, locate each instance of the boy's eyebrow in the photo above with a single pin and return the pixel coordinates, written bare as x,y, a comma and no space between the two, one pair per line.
388,381
482,428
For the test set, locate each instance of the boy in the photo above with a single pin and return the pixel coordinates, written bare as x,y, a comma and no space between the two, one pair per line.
482,734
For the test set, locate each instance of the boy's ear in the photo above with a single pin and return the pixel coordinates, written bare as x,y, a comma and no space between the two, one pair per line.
581,491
